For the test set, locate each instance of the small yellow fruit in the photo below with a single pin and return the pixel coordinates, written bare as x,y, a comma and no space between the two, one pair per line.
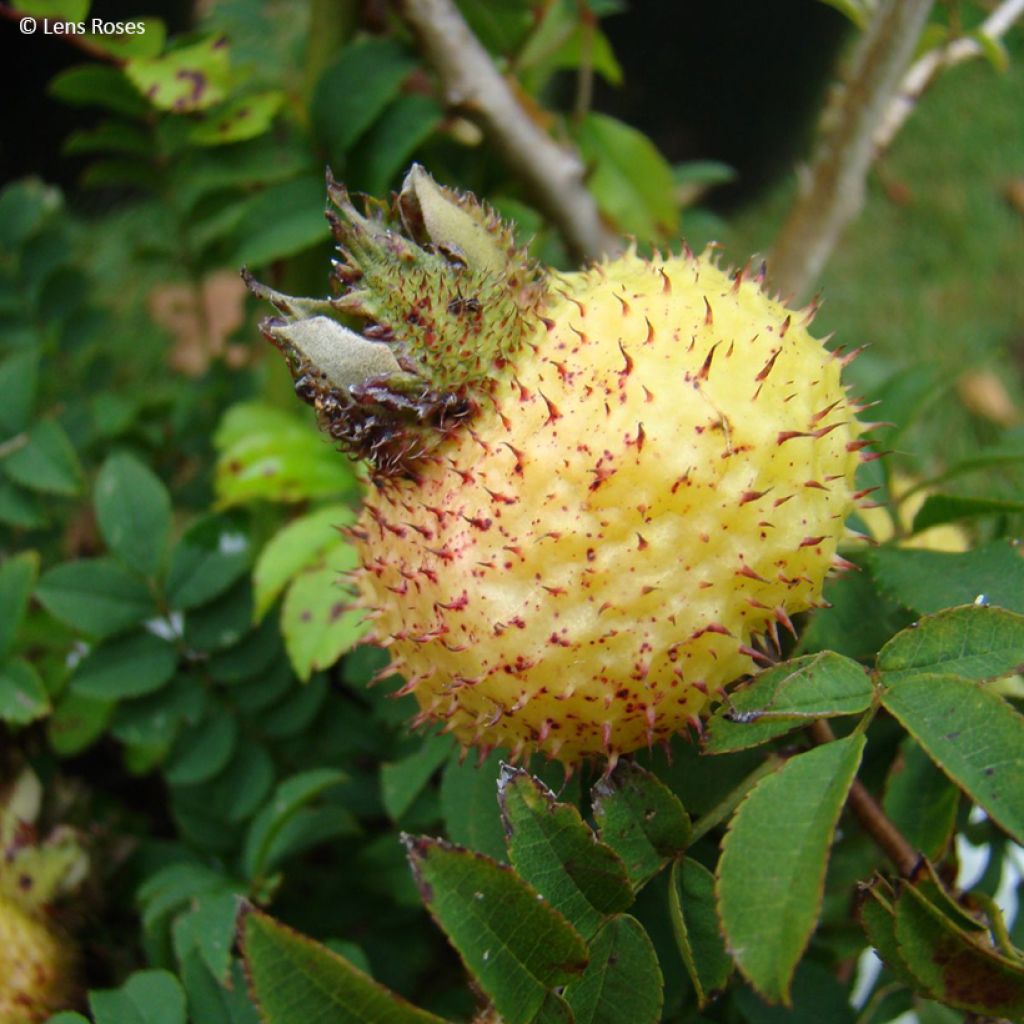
654,471
37,967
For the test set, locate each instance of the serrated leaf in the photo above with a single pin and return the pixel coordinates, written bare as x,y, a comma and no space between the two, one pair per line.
516,946
46,462
631,181
952,967
23,697
318,620
353,92
929,581
622,983
294,978
972,642
772,870
128,666
240,119
696,928
299,545
207,560
96,596
641,819
401,782
17,578
469,805
274,456
877,915
973,735
554,849
920,801
186,79
787,696
147,997
133,509
289,798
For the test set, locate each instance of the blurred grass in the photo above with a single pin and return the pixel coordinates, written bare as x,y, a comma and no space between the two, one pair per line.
932,272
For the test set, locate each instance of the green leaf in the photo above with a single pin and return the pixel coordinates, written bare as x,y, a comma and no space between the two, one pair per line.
786,696
772,870
23,697
973,735
128,666
631,180
211,927
972,642
402,781
270,454
280,221
147,997
818,996
235,794
948,508
468,804
921,802
289,798
553,849
207,560
96,596
223,622
171,887
929,581
878,918
301,544
622,983
951,966
513,943
242,118
641,819
697,931
98,85
133,509
318,619
17,578
58,10
19,378
294,978
146,41
297,711
354,91
391,141
110,137
185,79
18,508
201,752
46,462
77,723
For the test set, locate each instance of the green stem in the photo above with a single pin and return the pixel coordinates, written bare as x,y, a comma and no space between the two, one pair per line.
706,822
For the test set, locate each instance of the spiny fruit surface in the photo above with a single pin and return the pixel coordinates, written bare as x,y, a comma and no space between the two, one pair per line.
656,475
37,967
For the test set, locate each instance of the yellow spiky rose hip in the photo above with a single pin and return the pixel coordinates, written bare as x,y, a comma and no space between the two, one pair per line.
616,482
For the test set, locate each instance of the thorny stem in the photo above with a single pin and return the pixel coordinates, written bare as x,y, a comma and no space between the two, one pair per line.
870,814
554,173
834,190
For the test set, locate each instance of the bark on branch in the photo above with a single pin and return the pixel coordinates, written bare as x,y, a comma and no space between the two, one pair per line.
553,173
834,191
